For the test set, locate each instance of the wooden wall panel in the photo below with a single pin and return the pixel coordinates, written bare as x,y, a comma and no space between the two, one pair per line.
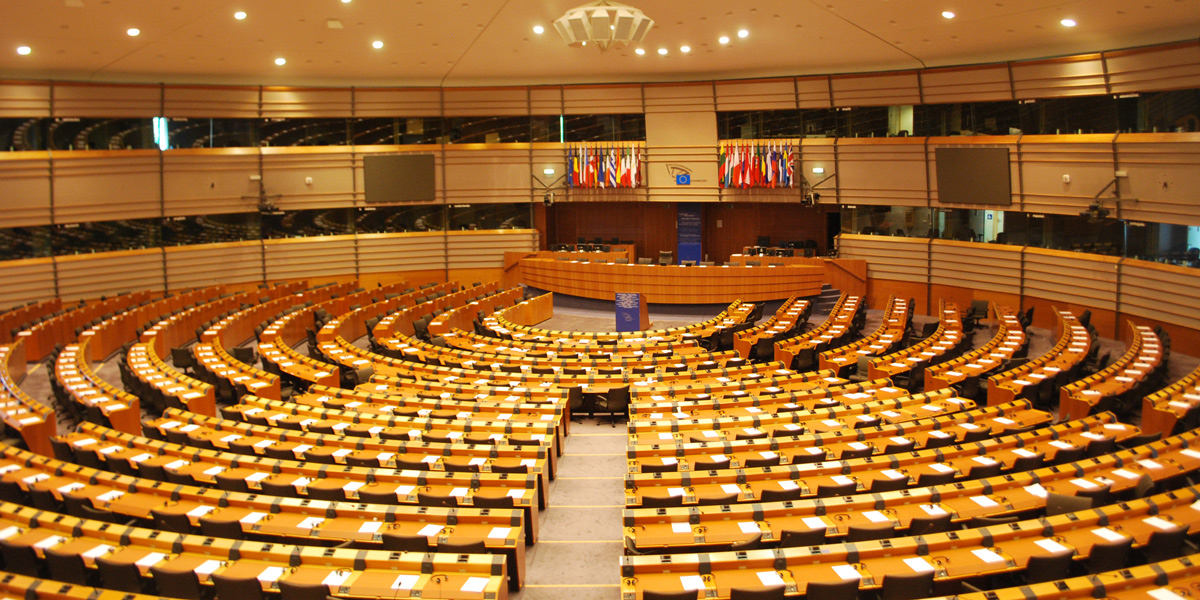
211,102
1076,278
106,100
1164,173
602,99
485,249
25,191
281,103
476,175
331,169
397,102
820,152
650,226
309,258
1088,159
814,92
771,94
547,100
211,264
1006,141
984,83
485,102
888,171
876,89
24,99
106,186
439,156
678,98
1170,67
108,273
548,156
209,181
681,142
26,280
992,268
1081,75
387,252
890,258
1162,292
729,227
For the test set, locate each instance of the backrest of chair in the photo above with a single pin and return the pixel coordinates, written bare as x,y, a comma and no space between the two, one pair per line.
906,586
1059,504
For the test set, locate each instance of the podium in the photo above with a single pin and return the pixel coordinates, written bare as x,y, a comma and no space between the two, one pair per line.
633,314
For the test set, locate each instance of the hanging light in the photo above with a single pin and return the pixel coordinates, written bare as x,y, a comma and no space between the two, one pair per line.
604,23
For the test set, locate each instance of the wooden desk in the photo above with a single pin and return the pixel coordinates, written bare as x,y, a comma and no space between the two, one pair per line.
839,324
1009,339
1137,366
1061,361
33,420
672,284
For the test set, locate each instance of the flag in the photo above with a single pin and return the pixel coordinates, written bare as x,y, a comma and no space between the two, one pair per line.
721,166
770,177
612,167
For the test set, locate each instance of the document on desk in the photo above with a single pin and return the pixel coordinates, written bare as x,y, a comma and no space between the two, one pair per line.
405,582
475,584
692,582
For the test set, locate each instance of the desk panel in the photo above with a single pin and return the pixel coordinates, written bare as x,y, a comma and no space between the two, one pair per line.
672,284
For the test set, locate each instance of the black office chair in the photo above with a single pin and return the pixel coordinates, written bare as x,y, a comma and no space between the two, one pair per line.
22,560
872,531
683,595
1049,568
1164,545
291,590
929,524
1060,504
835,490
774,592
240,587
791,538
846,589
906,586
124,576
1109,555
404,543
174,581
661,501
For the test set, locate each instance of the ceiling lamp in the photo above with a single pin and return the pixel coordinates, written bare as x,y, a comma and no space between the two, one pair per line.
603,23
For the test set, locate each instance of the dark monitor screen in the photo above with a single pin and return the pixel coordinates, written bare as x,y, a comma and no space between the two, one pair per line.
973,176
398,178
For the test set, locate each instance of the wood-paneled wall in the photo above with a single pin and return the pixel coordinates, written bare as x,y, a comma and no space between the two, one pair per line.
1115,290
430,256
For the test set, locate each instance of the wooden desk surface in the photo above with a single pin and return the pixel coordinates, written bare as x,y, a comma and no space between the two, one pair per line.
672,284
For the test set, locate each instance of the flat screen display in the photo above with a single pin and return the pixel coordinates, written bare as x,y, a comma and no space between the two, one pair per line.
390,178
973,176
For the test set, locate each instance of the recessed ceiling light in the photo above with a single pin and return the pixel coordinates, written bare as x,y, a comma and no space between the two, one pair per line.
24,50
538,29
281,61
662,51
548,171
639,51
723,39
948,14
743,33
1068,22
345,1
376,44
685,49
240,15
133,31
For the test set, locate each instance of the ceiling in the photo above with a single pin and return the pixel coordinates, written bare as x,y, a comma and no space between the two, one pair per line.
491,42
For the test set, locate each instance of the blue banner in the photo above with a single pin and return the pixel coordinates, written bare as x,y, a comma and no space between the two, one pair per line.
629,308
690,229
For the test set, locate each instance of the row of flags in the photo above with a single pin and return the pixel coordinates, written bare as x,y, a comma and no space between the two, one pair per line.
747,164
608,166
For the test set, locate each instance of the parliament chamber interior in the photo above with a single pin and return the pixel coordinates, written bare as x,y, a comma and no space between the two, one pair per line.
316,299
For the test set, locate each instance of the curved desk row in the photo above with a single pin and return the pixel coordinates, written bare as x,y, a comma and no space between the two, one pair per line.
672,284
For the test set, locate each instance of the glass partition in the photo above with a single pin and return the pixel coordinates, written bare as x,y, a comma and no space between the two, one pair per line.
395,219
211,229
491,216
105,236
305,223
25,242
